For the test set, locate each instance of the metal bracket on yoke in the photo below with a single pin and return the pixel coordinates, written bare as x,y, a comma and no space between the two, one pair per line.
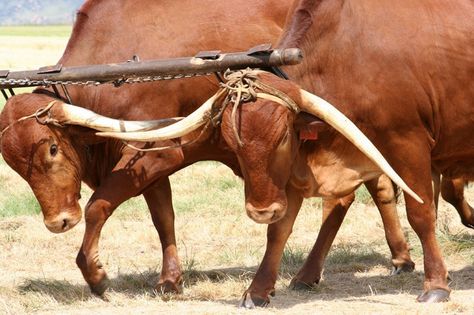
279,72
135,58
5,95
209,55
266,49
263,49
3,75
50,69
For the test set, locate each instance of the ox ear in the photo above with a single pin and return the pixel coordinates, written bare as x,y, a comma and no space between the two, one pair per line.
309,126
84,135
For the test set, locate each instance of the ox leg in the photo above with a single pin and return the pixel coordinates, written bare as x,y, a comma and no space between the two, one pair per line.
263,284
382,191
436,183
334,211
158,198
134,172
97,212
415,169
452,190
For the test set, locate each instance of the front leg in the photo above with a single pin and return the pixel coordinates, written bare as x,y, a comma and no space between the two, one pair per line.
87,259
132,174
263,284
158,198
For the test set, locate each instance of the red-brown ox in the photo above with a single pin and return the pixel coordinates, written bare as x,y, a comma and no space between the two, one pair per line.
402,71
55,160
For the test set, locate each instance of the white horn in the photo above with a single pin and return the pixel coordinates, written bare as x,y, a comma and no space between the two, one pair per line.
179,129
75,115
322,109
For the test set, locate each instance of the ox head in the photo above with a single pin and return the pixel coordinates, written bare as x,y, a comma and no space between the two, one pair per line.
270,144
52,158
46,158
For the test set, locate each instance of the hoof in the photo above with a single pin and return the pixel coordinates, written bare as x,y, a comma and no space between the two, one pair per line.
434,296
250,302
100,288
299,285
168,287
406,267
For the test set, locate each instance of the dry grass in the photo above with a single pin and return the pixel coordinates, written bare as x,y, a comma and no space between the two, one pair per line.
219,246
27,48
220,249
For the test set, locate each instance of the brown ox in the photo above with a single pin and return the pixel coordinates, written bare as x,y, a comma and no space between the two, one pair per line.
55,160
402,71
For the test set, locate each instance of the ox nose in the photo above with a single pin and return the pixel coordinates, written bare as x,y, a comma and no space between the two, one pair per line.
267,215
62,223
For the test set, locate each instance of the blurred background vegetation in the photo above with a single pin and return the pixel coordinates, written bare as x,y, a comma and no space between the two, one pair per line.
38,12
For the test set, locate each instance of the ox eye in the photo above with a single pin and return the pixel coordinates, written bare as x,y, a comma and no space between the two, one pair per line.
53,150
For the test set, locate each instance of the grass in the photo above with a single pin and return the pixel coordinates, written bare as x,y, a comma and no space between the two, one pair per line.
292,259
36,30
20,204
33,47
355,257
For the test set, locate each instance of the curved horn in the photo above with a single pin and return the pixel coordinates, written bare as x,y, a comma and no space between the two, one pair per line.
75,115
179,129
317,106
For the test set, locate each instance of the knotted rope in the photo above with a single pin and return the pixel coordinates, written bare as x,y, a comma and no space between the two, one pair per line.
243,86
40,112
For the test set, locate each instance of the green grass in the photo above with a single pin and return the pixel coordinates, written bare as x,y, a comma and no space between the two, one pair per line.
36,30
24,203
363,195
293,258
353,257
208,187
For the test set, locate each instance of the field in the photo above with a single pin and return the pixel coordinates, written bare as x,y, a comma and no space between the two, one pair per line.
219,246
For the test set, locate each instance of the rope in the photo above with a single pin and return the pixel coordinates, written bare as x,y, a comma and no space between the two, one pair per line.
180,145
40,112
242,87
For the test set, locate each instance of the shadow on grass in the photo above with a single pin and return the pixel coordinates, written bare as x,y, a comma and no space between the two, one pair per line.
130,284
336,286
61,291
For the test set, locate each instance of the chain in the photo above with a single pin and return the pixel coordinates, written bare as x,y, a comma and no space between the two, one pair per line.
117,83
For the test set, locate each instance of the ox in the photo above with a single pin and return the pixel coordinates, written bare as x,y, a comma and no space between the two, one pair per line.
402,71
54,160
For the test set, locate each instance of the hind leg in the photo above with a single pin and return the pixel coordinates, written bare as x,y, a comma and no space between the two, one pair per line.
452,190
158,198
334,211
382,191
